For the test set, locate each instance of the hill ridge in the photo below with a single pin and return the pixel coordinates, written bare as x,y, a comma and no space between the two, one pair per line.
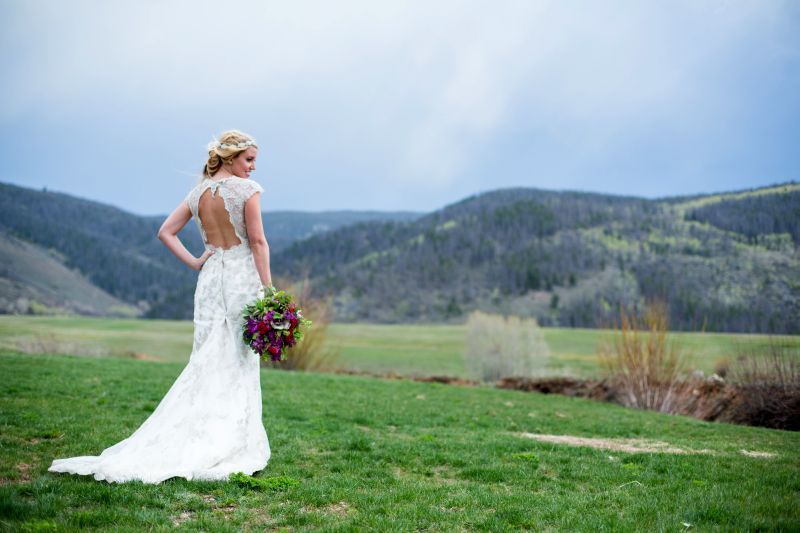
728,263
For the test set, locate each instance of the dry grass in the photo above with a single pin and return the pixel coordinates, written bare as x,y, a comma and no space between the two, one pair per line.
504,346
48,343
769,380
775,364
617,445
646,365
314,352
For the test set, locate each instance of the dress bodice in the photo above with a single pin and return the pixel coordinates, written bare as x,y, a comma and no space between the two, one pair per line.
235,192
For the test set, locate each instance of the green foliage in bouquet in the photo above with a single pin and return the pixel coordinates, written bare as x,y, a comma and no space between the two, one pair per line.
273,324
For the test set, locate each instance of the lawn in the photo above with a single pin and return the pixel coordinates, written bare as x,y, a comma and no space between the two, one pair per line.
363,453
421,350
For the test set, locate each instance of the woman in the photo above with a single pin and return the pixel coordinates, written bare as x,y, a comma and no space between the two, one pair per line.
209,423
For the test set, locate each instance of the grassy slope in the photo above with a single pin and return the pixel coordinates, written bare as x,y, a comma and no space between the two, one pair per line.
398,454
405,349
29,271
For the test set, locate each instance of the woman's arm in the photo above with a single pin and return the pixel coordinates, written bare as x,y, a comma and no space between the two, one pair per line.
168,234
258,242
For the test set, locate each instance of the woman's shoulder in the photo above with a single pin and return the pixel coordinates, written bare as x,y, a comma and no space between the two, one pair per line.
193,196
247,186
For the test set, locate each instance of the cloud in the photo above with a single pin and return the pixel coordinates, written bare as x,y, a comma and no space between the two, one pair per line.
414,94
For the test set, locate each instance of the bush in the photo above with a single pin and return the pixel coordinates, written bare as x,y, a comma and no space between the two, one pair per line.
498,347
643,362
272,483
768,379
312,353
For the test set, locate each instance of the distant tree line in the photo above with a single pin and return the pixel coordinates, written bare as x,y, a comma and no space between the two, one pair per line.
566,258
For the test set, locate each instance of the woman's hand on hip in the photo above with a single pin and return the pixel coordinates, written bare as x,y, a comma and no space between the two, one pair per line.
200,261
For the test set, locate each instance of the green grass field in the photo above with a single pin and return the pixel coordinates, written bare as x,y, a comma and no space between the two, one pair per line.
404,349
380,454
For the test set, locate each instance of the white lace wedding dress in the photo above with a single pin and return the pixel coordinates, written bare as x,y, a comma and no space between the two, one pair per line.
209,423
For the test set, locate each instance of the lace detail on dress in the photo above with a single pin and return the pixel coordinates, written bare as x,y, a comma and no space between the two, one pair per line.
235,192
208,425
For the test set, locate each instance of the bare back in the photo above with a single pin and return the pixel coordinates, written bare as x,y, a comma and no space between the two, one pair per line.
218,208
216,221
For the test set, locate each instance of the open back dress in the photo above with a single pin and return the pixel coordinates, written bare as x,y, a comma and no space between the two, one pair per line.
208,425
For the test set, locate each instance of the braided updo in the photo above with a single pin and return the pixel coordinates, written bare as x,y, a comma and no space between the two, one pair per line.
225,150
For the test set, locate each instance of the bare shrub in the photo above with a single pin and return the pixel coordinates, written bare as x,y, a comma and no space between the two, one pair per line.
777,363
44,343
498,347
643,362
314,352
768,378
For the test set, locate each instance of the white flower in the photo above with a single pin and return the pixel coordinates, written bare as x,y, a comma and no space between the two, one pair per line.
281,324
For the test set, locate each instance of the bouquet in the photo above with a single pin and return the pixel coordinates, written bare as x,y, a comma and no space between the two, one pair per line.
273,324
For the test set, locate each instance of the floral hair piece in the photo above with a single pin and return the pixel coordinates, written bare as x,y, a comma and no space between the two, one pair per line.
238,145
216,144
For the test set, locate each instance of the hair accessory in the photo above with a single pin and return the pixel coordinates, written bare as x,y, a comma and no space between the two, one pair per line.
251,142
216,144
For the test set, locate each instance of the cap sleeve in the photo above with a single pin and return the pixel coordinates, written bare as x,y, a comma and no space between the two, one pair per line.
190,200
249,188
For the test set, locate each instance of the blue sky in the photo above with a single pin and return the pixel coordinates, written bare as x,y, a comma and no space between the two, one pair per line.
400,105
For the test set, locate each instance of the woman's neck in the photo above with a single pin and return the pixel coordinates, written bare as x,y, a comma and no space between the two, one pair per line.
220,176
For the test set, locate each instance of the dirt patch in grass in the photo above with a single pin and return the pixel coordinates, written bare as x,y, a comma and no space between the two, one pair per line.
24,470
617,445
185,516
225,508
258,520
444,475
399,473
340,509
755,453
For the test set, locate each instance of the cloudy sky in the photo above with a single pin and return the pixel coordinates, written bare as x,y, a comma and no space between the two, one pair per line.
400,105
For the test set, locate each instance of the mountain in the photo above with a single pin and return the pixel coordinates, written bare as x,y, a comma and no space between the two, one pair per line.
722,262
31,276
60,253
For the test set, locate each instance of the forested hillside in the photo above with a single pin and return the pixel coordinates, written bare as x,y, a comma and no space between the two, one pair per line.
116,251
723,262
570,259
86,243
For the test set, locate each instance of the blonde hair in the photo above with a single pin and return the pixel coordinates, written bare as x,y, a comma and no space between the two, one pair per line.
225,150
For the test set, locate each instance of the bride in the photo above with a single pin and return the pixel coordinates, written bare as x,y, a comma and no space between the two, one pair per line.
209,423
